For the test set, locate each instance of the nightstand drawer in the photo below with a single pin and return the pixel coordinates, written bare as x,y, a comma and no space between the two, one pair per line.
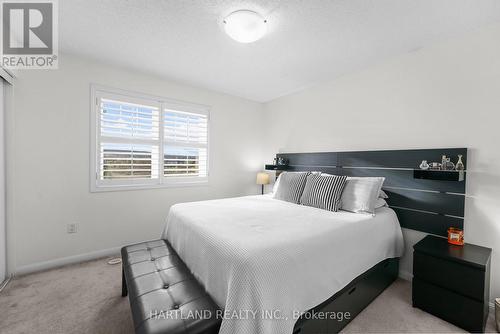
457,309
465,280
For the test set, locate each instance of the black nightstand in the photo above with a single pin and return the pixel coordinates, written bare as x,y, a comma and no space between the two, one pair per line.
452,282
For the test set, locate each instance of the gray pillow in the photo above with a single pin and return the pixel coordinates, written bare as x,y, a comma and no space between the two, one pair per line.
323,191
290,187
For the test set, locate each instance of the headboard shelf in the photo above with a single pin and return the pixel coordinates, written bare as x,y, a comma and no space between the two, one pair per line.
427,201
441,175
277,167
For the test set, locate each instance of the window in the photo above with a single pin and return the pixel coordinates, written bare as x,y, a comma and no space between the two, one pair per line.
141,142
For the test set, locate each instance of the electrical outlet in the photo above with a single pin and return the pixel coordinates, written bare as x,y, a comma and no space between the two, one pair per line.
72,228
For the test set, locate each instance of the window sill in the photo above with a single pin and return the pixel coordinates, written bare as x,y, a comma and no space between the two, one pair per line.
111,188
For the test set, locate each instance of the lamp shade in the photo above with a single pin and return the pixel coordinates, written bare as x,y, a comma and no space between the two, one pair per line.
262,178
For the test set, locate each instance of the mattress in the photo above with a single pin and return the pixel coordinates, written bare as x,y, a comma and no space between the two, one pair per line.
264,261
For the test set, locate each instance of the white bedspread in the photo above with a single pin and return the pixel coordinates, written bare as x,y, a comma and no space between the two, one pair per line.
259,254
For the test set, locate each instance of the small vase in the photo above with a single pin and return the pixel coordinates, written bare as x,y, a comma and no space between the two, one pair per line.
460,164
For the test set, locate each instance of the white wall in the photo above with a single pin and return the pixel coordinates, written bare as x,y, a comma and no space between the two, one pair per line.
446,95
48,174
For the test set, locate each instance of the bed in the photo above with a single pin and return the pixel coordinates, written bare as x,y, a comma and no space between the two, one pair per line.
265,261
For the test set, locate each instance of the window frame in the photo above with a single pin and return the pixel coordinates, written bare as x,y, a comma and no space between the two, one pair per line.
98,92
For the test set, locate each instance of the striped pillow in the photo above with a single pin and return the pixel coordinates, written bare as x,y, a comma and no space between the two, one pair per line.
323,191
291,185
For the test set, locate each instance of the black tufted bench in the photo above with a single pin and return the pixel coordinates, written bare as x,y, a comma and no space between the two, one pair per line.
164,295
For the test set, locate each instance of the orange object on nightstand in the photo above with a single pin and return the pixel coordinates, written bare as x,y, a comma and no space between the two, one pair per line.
455,236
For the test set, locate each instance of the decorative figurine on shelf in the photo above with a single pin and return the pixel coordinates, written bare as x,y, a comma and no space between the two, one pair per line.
443,162
424,165
282,161
448,165
460,165
435,166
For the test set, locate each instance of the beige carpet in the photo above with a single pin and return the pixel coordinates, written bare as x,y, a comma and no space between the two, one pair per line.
85,298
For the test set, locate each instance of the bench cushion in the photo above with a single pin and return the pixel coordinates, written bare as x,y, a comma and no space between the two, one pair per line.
164,295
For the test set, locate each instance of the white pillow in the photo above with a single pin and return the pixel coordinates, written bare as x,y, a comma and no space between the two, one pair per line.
380,203
276,184
382,194
361,193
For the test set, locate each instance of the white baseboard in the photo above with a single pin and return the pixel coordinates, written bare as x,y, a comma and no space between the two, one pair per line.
407,276
31,268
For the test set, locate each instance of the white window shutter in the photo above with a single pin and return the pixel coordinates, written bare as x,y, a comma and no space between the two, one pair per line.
185,149
142,142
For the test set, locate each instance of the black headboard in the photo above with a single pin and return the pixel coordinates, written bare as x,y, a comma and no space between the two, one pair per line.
428,202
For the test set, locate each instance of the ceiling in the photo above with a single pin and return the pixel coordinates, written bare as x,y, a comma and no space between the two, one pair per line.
309,41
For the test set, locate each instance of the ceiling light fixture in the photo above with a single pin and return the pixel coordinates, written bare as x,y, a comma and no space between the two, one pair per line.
245,26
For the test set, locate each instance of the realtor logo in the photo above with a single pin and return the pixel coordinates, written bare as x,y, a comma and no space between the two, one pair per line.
29,34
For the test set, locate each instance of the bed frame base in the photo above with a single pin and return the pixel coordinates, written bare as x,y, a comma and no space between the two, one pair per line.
353,299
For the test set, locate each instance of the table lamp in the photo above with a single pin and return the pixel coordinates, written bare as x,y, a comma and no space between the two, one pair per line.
262,179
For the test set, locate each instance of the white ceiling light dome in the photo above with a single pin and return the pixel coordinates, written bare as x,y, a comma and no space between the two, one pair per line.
245,26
